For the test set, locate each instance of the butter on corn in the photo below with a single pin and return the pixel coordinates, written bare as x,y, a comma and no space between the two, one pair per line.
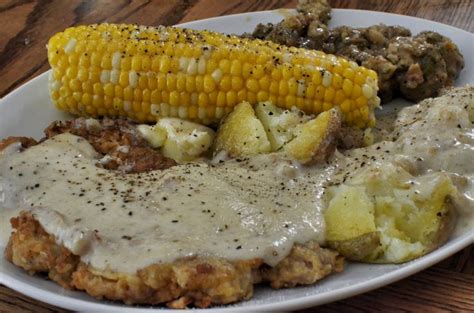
146,73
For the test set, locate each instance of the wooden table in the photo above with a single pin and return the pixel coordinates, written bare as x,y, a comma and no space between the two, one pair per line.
27,25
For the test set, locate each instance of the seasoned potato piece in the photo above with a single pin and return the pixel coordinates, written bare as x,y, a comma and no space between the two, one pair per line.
350,214
178,139
241,133
350,223
315,140
278,123
385,215
185,141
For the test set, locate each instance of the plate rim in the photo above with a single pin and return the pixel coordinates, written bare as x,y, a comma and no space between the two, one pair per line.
412,267
355,11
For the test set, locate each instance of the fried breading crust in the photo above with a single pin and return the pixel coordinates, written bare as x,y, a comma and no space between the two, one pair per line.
107,136
198,281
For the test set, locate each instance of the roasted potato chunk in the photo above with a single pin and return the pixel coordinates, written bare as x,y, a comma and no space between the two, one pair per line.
279,124
241,133
315,140
178,139
386,215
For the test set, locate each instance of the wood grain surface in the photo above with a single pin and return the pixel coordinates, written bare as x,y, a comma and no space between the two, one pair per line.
27,25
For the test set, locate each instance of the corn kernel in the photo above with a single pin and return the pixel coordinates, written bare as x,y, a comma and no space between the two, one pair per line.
319,92
184,98
98,89
74,85
339,97
276,74
82,74
231,98
86,99
317,78
264,82
242,95
356,92
349,73
283,88
236,68
170,82
180,82
146,64
87,87
292,86
174,98
118,91
225,83
262,95
123,79
221,98
327,106
246,70
252,85
252,97
128,93
108,102
329,94
64,92
199,81
237,83
257,72
209,84
165,65
192,112
203,99
346,106
290,101
106,62
126,64
337,81
359,78
213,98
361,101
225,65
190,84
347,87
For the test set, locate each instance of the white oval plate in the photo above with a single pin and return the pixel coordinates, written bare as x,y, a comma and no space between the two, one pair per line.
28,110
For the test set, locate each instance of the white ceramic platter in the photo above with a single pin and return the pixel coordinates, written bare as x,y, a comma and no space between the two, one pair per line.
28,110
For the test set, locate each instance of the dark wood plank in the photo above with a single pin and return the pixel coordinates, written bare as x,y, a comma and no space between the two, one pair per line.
31,23
458,13
11,302
433,290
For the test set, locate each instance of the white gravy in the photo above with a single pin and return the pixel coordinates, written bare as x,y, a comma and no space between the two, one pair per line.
236,209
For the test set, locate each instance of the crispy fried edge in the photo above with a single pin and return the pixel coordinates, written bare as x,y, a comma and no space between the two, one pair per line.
199,281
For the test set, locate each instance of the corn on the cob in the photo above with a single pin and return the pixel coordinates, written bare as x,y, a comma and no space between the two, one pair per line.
150,72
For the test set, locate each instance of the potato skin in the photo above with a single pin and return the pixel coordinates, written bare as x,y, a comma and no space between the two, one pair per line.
360,248
446,227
